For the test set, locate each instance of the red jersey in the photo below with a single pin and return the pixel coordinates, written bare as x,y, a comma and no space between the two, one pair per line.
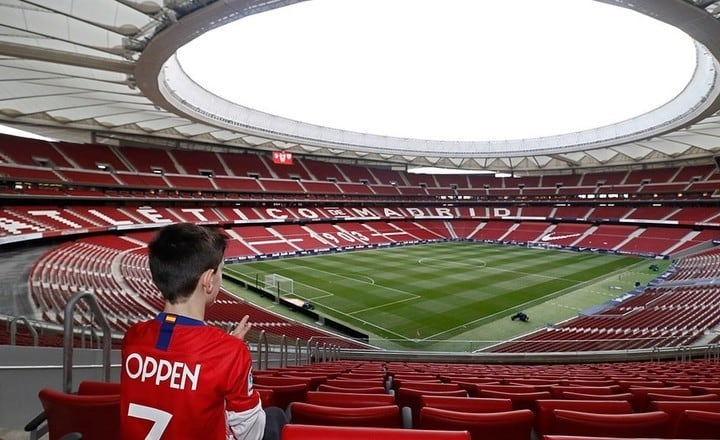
178,378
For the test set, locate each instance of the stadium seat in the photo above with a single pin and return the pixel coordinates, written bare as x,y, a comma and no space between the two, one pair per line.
425,386
93,387
582,396
411,399
696,397
698,424
545,410
586,437
519,400
467,404
648,424
338,389
96,417
386,416
284,395
312,432
349,399
640,395
676,409
509,425
267,397
356,383
557,390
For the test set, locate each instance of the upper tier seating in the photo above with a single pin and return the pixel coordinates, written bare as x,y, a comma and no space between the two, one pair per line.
658,182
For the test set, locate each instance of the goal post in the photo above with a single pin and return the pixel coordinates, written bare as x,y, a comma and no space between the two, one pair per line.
279,285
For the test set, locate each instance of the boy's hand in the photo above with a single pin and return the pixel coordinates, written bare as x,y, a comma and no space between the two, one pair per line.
242,328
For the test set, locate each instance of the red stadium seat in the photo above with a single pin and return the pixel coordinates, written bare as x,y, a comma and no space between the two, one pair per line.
349,399
519,400
676,409
411,398
386,416
312,432
467,404
425,386
557,390
96,417
339,389
640,395
697,397
582,396
586,437
509,425
93,387
648,424
698,424
545,413
284,395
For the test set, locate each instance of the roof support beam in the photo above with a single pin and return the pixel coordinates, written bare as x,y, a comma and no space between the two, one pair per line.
61,57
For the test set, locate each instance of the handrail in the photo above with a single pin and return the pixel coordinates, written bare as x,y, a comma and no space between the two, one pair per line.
312,351
98,316
262,344
298,353
92,338
283,351
13,330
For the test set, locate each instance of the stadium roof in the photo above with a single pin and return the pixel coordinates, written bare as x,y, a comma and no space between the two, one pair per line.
98,70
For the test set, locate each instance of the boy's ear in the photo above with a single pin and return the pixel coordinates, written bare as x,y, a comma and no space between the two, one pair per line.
206,280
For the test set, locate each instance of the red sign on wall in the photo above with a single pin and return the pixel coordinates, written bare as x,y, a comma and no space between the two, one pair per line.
282,157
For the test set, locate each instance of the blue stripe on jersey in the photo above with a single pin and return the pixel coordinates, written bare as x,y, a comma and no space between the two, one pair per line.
168,326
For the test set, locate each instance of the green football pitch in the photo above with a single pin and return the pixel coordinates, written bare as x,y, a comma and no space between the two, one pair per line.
437,291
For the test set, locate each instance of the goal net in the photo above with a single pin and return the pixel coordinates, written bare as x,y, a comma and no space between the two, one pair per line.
278,284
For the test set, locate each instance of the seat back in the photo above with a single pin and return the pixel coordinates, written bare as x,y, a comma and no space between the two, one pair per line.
640,395
345,400
522,388
95,387
508,425
557,390
411,398
648,424
676,409
696,397
426,386
519,400
545,415
356,383
283,395
339,389
313,432
386,416
466,404
582,396
698,424
281,380
96,417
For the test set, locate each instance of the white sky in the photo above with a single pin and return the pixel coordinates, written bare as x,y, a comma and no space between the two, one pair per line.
451,70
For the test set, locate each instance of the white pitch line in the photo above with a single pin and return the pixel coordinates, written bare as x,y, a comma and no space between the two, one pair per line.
363,282
485,266
385,305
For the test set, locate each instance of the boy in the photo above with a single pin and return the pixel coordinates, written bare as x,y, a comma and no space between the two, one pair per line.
180,377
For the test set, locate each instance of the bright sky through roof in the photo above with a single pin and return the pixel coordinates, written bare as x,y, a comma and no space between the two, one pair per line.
451,70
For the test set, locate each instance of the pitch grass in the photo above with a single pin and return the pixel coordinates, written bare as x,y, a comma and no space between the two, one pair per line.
436,291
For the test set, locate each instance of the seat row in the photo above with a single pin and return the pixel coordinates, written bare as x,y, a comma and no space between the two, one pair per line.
94,411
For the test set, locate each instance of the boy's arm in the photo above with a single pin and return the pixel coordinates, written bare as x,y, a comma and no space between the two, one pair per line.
247,425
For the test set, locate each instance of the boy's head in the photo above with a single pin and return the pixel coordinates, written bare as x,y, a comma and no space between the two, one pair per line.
179,254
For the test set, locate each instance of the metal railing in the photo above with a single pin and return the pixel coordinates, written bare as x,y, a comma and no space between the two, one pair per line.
99,317
13,330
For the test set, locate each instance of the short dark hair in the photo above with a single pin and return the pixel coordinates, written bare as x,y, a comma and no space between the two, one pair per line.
180,253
